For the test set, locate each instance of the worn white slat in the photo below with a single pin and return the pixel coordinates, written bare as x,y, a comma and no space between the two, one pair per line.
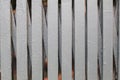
5,41
21,39
53,39
108,40
79,40
37,40
66,39
92,39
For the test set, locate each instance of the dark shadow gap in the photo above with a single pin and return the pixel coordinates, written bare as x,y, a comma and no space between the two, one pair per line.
73,39
100,39
116,40
44,37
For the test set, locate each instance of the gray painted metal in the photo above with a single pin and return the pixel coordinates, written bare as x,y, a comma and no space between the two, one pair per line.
92,39
66,7
79,40
108,40
53,39
37,70
60,38
5,40
21,39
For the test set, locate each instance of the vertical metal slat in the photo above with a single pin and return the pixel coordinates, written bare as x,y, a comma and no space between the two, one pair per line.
37,52
66,7
108,40
5,40
53,39
21,39
92,39
79,40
